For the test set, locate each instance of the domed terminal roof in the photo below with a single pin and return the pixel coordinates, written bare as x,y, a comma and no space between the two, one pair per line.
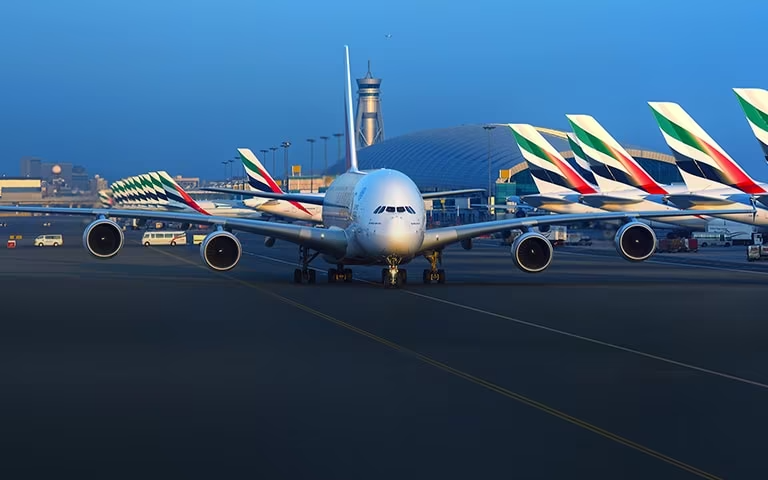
457,157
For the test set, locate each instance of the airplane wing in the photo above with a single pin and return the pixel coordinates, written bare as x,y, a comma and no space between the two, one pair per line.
598,200
295,197
689,200
318,199
326,240
439,237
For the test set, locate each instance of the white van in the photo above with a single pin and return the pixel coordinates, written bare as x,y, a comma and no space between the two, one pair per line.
49,240
164,238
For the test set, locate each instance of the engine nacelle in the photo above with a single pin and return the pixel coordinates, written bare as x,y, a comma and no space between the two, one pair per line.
532,252
466,244
103,238
269,241
221,250
635,241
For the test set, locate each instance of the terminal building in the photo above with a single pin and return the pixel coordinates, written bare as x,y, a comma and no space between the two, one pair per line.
457,157
18,189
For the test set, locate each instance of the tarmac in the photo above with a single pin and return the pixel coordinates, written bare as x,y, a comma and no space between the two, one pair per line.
151,365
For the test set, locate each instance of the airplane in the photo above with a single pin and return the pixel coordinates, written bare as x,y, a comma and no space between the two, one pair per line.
624,183
370,218
754,102
713,178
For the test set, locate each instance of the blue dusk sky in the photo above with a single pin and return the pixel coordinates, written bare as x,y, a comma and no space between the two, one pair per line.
124,87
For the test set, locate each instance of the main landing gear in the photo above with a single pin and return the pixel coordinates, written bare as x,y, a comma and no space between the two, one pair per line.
339,274
304,274
434,274
392,276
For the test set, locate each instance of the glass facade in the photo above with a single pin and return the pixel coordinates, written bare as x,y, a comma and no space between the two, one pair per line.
457,157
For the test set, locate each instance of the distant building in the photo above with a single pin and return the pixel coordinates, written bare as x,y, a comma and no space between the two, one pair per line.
80,181
187,182
51,171
457,157
30,167
18,189
97,184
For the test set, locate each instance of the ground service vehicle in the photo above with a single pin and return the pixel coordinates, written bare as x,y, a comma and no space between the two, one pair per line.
54,240
164,238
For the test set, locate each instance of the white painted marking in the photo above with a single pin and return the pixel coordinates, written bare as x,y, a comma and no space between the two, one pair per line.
556,331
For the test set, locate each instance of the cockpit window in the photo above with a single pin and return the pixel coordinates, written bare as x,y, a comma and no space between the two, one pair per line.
390,209
378,210
401,209
410,210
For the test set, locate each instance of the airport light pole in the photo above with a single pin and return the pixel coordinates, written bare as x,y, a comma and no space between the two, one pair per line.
225,162
488,129
338,137
285,146
231,171
324,138
311,162
274,168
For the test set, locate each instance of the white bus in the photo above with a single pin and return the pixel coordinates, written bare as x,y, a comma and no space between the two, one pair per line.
164,238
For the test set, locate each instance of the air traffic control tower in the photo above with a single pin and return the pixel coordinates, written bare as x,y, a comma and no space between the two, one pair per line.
369,124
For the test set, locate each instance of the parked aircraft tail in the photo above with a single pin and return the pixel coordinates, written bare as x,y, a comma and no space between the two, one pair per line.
614,168
754,102
703,163
550,171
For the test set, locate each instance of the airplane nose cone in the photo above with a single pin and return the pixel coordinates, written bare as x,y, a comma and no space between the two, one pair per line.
395,237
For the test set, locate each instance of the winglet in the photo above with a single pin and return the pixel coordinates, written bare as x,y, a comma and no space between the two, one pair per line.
754,102
348,118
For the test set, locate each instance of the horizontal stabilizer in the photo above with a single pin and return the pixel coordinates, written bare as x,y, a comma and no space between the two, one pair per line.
288,197
600,200
541,199
451,193
688,200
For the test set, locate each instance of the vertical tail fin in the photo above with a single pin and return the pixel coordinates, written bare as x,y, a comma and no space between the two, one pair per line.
580,162
157,184
175,193
348,118
258,176
149,189
614,168
550,171
754,102
703,163
105,197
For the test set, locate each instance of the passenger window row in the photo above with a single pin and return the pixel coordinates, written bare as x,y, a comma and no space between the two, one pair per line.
394,209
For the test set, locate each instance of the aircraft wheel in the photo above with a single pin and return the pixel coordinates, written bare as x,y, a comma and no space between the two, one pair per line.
297,276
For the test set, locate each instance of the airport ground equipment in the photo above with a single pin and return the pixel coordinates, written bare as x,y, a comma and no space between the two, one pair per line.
675,245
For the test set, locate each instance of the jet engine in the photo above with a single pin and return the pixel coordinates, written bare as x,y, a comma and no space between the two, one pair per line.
221,250
103,238
635,241
269,241
532,252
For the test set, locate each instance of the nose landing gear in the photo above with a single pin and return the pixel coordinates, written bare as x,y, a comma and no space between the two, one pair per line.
434,274
392,276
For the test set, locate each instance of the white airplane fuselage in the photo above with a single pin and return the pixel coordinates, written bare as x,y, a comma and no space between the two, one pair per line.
293,210
350,203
